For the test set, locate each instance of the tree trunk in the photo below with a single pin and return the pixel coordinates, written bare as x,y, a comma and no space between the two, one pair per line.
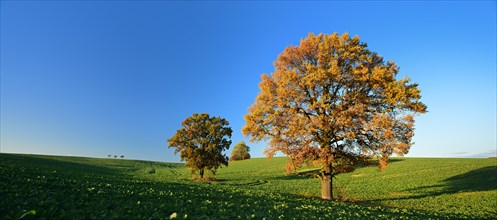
327,184
201,173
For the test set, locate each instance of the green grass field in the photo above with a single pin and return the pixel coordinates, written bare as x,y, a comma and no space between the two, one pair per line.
34,187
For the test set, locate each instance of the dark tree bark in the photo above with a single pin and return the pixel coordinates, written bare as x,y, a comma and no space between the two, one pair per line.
201,173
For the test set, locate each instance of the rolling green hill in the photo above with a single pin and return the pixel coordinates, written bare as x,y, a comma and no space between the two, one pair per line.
33,186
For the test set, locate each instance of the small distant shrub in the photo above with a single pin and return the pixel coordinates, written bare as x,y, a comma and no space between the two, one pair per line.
152,171
240,151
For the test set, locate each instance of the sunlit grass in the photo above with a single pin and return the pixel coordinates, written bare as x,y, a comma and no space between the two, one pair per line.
74,187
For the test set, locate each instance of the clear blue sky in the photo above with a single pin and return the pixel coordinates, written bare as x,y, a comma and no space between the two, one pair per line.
92,78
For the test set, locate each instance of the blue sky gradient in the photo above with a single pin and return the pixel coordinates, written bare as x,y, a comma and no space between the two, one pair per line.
92,78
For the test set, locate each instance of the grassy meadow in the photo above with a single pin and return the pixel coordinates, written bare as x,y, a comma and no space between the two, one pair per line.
53,187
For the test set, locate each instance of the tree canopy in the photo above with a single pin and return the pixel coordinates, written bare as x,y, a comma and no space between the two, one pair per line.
333,101
201,142
240,151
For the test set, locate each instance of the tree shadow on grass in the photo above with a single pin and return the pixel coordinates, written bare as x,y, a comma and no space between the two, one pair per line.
478,180
482,179
249,183
314,172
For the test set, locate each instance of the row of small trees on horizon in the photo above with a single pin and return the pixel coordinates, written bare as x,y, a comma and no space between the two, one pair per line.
115,156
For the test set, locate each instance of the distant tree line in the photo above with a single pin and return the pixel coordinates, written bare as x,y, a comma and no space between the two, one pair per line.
115,156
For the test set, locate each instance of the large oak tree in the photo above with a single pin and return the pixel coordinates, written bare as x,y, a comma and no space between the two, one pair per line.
201,142
333,101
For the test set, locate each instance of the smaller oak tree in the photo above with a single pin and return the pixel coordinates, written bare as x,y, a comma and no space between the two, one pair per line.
201,142
240,151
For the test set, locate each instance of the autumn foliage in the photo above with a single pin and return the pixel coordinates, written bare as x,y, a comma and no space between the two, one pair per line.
240,151
332,101
201,142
